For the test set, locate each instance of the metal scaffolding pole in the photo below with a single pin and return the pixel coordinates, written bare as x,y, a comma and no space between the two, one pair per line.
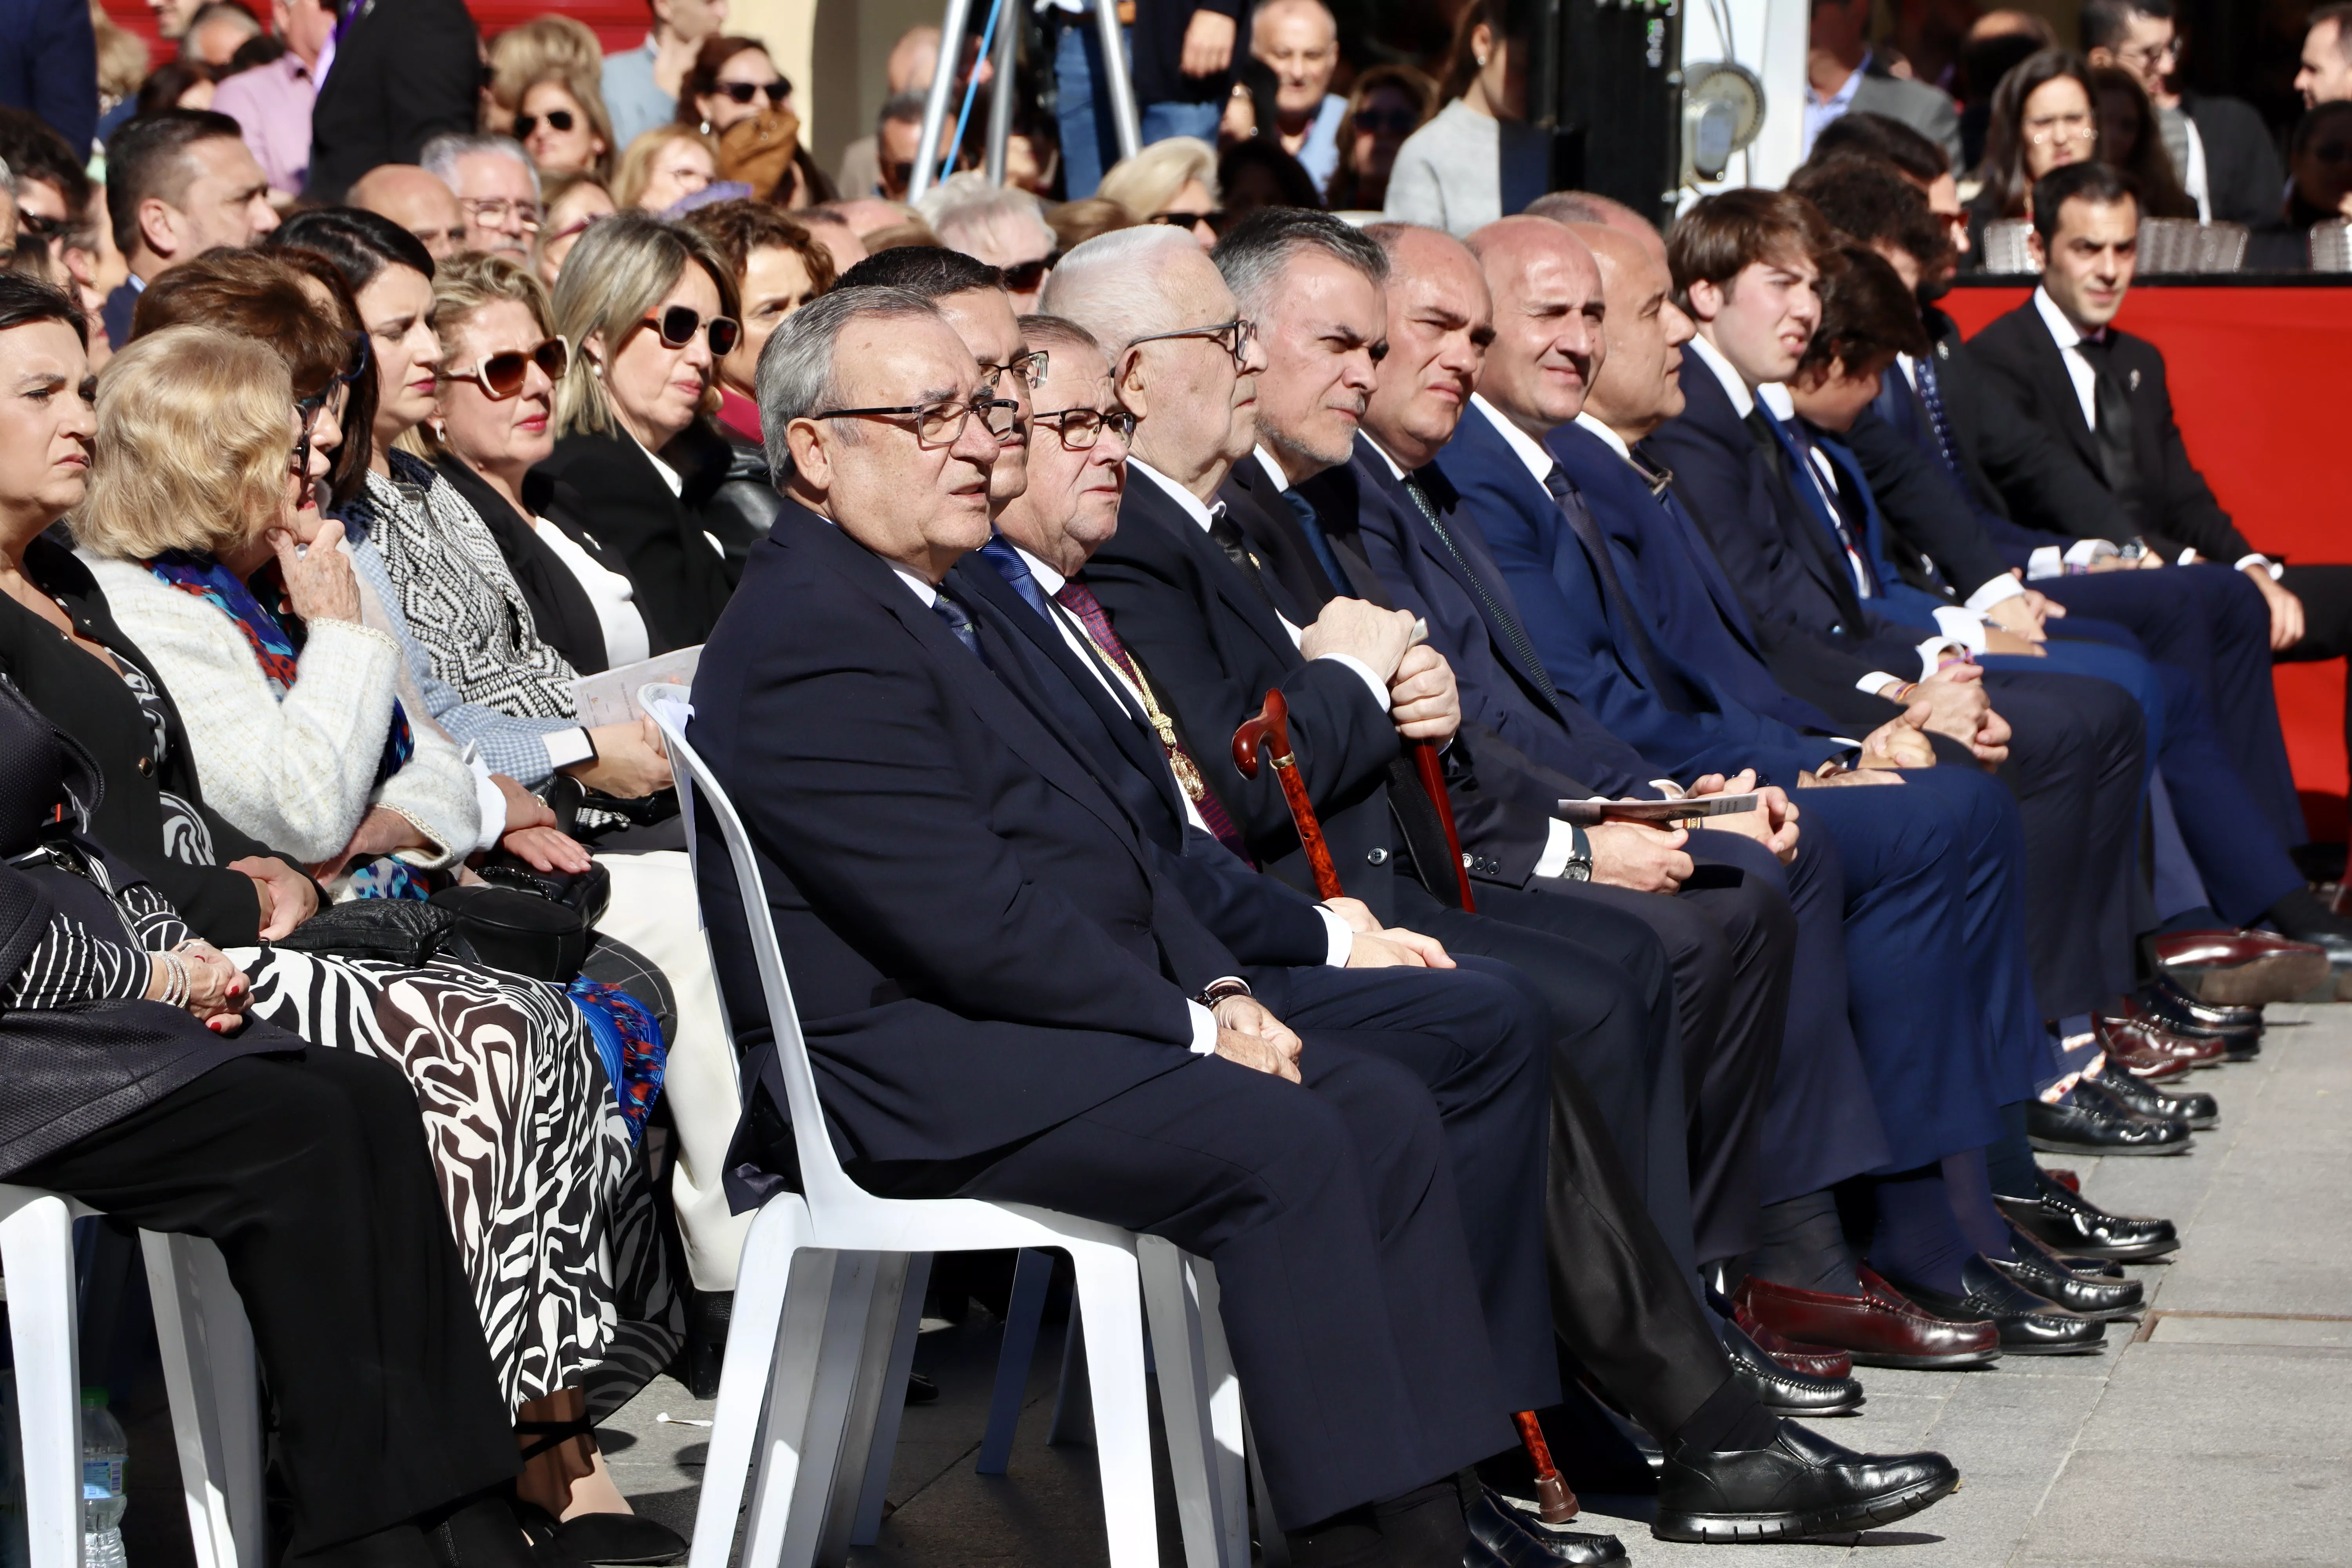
1000,90
935,107
1122,90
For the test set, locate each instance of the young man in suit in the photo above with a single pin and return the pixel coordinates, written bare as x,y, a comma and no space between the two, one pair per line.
178,183
2218,146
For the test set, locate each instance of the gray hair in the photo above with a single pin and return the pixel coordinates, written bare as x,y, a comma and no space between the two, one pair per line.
439,156
902,106
1256,252
1110,285
962,211
795,377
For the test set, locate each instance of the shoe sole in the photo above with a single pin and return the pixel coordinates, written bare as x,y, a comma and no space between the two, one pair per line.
2093,1348
1960,1361
1798,1413
2094,1152
2281,977
1724,1528
2136,1252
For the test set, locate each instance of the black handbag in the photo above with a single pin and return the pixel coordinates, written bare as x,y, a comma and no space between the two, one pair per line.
393,931
520,932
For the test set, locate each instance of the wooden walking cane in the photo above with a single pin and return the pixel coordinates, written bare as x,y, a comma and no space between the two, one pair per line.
1270,728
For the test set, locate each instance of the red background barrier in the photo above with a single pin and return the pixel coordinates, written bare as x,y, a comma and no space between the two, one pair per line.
2259,377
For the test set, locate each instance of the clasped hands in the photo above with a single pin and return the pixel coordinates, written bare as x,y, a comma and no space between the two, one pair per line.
217,990
1423,702
1250,1036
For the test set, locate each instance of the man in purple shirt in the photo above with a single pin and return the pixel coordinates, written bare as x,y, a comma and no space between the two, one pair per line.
271,104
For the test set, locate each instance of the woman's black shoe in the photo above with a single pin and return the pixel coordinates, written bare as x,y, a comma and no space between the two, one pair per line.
1780,1390
2038,1270
2028,1324
2199,1109
2072,1224
2095,1124
401,1546
484,1533
1503,1537
620,1538
1801,1485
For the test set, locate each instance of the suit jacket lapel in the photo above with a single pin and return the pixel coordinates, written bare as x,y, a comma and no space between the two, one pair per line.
1825,557
2058,388
1241,598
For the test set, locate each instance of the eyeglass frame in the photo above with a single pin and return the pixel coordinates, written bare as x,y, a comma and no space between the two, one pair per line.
1059,419
526,213
308,408
530,357
1244,330
707,324
918,409
777,90
524,124
1033,367
1044,264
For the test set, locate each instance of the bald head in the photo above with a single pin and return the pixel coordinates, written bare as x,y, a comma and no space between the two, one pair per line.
1549,315
416,201
1439,322
1606,212
1297,41
1638,384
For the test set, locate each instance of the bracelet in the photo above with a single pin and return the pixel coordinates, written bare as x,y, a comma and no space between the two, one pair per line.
178,985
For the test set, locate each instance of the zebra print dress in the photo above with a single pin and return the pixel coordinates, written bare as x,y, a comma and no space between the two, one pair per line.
551,1205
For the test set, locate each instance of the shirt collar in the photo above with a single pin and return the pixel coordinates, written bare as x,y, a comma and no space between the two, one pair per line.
1777,401
923,590
1272,467
1743,402
1201,515
1844,97
668,475
2055,320
1616,443
1047,578
1396,470
1523,445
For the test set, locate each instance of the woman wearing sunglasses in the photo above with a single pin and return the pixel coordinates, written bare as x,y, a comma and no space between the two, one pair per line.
649,309
663,167
1388,103
561,124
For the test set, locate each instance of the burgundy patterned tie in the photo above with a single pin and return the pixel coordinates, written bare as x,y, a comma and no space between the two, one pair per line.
1080,600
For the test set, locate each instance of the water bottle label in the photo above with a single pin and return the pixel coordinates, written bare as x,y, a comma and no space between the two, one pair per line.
100,1479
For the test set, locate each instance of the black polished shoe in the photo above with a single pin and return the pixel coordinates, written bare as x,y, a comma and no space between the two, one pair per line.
2093,1124
2028,1324
1780,1390
2038,1268
1801,1485
620,1538
922,1390
2072,1224
2238,1029
1502,1536
2199,1110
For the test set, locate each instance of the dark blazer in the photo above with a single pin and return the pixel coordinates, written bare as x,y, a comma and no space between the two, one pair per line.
680,579
117,312
727,488
2175,509
976,939
184,855
49,65
1814,631
2243,175
1156,49
560,608
405,72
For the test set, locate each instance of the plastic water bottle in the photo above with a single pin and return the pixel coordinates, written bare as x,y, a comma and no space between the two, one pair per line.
104,1451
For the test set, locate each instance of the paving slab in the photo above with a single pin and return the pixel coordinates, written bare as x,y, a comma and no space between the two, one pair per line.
2217,1432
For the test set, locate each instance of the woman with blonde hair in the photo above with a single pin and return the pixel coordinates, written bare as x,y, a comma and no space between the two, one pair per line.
562,46
1172,181
663,167
561,124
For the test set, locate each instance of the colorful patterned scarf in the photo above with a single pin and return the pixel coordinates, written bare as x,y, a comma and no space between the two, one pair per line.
628,1042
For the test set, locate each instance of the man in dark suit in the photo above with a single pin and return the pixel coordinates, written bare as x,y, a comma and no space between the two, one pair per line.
2218,146
49,64
178,183
1846,75
404,71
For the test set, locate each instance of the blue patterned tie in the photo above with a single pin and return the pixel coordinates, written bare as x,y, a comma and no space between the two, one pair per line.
1312,527
1932,395
959,623
1015,571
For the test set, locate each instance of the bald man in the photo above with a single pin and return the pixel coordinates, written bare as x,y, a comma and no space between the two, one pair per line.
1299,41
416,201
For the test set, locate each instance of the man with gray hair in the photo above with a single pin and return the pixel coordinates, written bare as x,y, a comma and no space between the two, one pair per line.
1006,228
1007,1001
496,189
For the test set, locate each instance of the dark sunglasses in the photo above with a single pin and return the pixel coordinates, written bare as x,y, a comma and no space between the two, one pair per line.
1027,276
1216,220
557,120
40,226
1396,122
678,324
745,91
501,375
356,367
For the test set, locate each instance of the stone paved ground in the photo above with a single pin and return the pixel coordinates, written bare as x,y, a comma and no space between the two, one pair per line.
2221,1435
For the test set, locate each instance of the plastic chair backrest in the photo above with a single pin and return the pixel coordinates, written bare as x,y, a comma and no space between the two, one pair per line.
823,1182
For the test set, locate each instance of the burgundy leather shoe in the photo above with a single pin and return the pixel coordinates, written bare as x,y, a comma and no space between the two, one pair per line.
2240,968
1878,1327
1814,1360
2140,1045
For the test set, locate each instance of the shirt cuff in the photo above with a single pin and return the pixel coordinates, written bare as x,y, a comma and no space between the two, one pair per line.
2271,568
1559,846
1378,688
1963,626
565,747
1876,682
1933,650
492,802
1204,1028
1341,937
2083,551
1993,590
2044,561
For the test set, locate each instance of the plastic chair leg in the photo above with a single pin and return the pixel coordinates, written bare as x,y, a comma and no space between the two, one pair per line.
1228,1438
209,1373
1273,1546
1184,1395
1074,1414
37,1258
809,1397
1031,1276
866,1528
1113,1306
755,1349
870,1424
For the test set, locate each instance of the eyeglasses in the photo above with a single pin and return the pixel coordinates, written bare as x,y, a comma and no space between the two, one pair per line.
1027,276
496,211
1030,368
42,227
501,375
557,120
1396,122
356,367
1235,337
745,91
2147,59
1216,220
2062,128
679,323
1081,429
941,424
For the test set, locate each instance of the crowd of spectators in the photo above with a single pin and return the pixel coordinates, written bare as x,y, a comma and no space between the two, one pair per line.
365,385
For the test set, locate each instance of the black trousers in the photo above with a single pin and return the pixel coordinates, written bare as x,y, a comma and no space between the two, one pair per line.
2327,594
309,1171
1330,1212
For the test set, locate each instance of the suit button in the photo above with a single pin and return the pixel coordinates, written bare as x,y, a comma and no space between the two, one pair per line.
1376,857
146,765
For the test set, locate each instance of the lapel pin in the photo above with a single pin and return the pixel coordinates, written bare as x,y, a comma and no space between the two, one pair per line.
2135,381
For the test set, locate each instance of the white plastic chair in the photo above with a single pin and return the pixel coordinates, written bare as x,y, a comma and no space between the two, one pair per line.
208,1372
828,1290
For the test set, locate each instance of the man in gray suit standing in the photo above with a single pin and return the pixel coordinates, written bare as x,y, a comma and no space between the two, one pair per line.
1844,74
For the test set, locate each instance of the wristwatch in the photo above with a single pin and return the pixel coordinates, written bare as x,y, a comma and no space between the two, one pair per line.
1216,991
1579,856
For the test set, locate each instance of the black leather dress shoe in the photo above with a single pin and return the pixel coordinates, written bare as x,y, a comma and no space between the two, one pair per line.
1801,1485
2072,1224
2239,1029
489,1532
2038,1268
2093,1124
1780,1390
1503,1537
619,1538
2199,1110
2028,1324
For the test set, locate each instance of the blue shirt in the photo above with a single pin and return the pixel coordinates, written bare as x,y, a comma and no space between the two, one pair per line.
633,97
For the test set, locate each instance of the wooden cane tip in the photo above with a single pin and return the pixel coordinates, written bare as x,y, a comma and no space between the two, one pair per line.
1555,1504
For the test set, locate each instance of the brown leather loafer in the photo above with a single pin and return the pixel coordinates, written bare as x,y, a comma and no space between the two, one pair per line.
1879,1328
2147,1050
2240,968
1814,1360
